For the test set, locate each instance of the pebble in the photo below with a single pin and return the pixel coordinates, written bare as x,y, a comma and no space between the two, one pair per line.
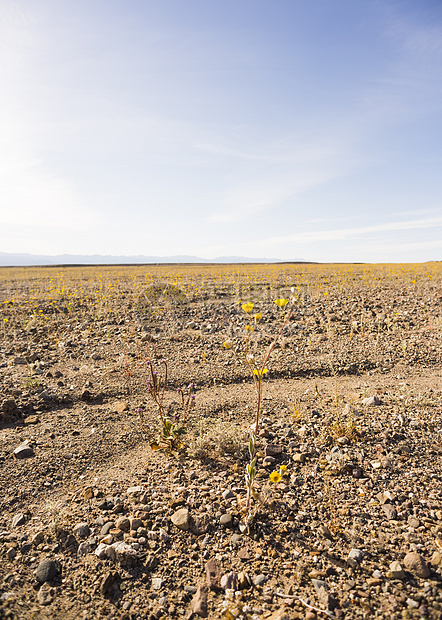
109,525
396,571
83,549
226,519
23,451
416,564
181,519
82,530
355,557
157,583
371,401
260,580
46,594
199,601
390,511
229,581
18,519
213,574
48,570
227,494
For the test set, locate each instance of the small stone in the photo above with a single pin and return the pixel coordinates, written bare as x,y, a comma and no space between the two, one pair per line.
390,511
157,583
229,581
48,570
199,601
11,553
396,571
107,527
413,522
299,457
133,491
244,554
23,451
355,557
88,493
416,564
82,530
120,406
273,450
32,419
46,594
135,523
18,519
227,494
268,461
180,519
199,524
279,614
83,549
260,580
19,361
124,553
371,401
213,574
244,581
105,552
123,524
226,520
164,536
45,396
324,531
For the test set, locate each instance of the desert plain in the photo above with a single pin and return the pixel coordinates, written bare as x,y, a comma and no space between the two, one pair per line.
95,523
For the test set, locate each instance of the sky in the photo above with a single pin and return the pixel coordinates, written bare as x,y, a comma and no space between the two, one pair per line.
262,128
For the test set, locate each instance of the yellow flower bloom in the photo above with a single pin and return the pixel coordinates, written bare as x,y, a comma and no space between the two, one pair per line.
275,477
154,446
281,303
249,329
260,372
227,344
248,307
283,469
257,317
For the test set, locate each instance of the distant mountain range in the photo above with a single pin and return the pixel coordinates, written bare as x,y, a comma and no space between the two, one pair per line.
29,260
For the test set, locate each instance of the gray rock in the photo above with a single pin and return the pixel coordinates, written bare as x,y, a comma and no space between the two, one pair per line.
355,557
83,549
226,519
260,580
227,494
273,450
124,553
395,571
46,594
81,530
123,524
390,511
18,519
23,451
181,519
107,527
48,570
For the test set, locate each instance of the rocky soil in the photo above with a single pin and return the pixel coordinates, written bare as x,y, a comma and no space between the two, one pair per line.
95,524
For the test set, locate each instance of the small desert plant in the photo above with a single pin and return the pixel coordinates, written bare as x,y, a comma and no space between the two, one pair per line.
171,416
258,368
215,438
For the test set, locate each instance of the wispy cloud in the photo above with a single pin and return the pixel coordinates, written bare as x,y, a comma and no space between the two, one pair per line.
341,234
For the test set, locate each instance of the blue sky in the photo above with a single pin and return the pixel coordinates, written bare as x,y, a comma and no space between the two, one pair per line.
260,128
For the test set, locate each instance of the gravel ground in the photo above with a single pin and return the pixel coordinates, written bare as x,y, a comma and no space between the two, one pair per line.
95,524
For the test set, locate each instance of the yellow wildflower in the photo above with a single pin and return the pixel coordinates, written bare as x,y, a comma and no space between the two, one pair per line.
248,307
260,372
257,317
275,477
283,469
249,329
281,303
227,344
